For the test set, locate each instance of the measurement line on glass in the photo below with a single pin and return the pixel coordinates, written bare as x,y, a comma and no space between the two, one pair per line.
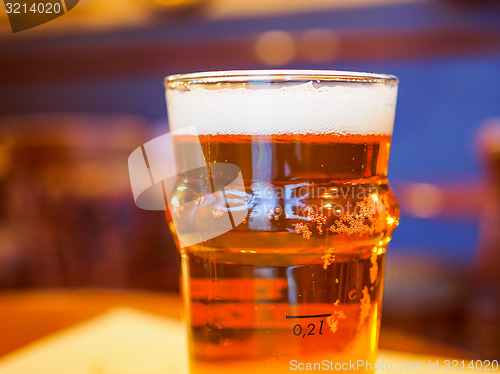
311,316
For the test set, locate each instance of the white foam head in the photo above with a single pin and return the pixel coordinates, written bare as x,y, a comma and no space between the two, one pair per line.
303,108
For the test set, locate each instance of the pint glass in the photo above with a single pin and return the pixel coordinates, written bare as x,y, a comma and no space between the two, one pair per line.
295,282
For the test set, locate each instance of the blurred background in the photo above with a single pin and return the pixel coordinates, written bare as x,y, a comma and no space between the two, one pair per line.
78,94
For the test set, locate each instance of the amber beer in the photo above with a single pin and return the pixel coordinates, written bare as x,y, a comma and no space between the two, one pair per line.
297,285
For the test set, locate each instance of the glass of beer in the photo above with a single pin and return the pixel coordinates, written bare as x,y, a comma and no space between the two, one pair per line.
296,282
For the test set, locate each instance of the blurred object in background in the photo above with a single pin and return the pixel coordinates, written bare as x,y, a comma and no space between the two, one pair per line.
458,201
67,216
429,283
433,290
427,295
484,311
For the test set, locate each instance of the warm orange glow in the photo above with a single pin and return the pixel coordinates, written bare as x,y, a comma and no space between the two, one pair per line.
275,48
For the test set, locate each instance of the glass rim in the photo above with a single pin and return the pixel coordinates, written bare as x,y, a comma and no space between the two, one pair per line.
278,76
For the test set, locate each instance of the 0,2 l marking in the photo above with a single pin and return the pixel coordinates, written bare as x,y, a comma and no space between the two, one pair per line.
298,330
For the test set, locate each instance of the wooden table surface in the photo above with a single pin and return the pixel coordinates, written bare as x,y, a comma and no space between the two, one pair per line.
29,315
